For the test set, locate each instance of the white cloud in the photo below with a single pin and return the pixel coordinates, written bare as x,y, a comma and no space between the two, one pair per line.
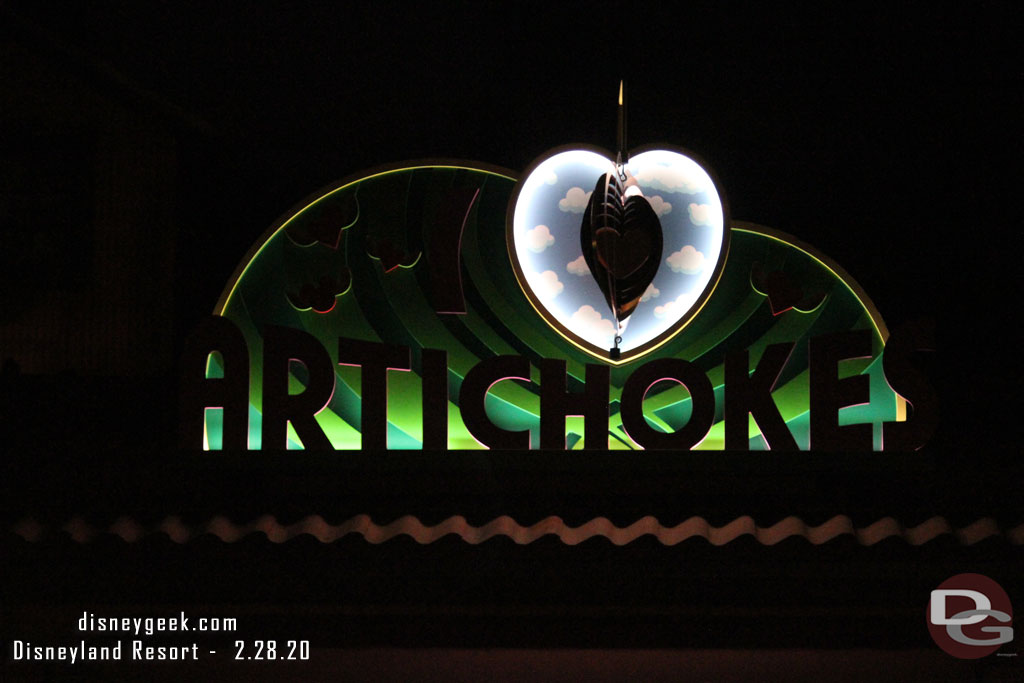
539,239
651,292
589,324
675,308
575,200
675,178
550,178
545,285
687,260
660,206
700,214
578,267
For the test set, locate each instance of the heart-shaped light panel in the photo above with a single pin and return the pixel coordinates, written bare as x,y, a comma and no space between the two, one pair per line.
544,244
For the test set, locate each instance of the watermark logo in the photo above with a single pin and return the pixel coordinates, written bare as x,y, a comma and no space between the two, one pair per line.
969,616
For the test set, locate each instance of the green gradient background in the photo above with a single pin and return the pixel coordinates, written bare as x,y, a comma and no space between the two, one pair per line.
393,307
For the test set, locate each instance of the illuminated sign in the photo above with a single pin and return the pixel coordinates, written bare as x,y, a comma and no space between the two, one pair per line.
446,306
554,272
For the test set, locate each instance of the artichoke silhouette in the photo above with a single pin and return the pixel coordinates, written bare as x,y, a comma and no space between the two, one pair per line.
622,242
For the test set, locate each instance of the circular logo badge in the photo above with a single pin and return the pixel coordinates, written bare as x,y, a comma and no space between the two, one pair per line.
969,616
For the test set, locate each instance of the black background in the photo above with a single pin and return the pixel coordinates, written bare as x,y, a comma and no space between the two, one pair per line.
889,137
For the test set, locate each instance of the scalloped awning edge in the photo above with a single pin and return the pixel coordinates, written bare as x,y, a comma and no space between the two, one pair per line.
131,531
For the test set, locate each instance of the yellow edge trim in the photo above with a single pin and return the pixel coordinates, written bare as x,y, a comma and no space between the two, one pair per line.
876,317
827,263
327,191
742,226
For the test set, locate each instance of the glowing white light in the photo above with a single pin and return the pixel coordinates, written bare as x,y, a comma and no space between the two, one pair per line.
700,214
575,200
578,267
651,292
555,195
660,206
545,285
539,239
590,325
687,260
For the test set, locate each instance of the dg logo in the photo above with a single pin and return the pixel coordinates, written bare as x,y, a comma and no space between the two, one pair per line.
969,616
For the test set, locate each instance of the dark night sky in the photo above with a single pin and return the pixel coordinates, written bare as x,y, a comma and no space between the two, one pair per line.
888,137
852,128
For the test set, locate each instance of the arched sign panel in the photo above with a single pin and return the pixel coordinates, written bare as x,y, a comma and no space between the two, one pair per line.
446,306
